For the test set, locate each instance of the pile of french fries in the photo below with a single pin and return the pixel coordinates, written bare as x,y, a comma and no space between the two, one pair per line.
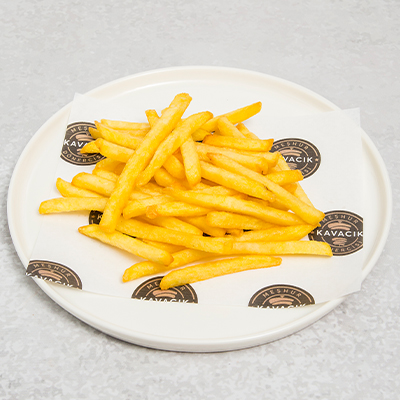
180,190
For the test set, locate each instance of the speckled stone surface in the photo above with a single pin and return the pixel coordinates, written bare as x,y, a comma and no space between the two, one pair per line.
347,51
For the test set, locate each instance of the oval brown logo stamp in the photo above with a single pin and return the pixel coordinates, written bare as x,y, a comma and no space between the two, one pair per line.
281,296
299,154
150,290
54,272
76,136
342,230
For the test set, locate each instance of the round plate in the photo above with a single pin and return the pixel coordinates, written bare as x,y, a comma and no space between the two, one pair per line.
187,327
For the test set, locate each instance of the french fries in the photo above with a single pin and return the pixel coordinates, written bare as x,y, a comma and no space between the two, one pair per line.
216,268
135,208
229,220
67,189
277,234
308,213
240,206
226,128
139,160
115,136
69,204
173,223
245,131
176,209
126,125
255,162
142,230
239,143
145,268
113,151
128,244
191,162
176,190
178,136
283,178
235,181
174,167
282,248
235,116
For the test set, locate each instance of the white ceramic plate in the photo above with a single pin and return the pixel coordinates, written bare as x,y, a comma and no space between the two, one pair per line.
187,327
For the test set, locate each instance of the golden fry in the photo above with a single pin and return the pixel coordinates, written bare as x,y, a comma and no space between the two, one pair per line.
173,223
239,143
127,243
118,137
125,125
171,248
94,133
285,177
235,116
235,232
152,189
234,181
107,164
199,135
254,162
229,220
141,269
102,173
102,186
277,234
152,117
290,187
226,128
135,208
94,183
165,179
282,248
191,162
114,151
201,223
188,256
90,148
68,204
222,190
213,269
176,209
67,189
174,167
245,131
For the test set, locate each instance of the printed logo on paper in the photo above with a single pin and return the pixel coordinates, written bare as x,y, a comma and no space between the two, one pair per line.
342,230
76,136
281,296
54,272
150,290
95,217
299,154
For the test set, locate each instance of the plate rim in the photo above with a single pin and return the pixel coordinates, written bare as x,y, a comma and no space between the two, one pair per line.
197,345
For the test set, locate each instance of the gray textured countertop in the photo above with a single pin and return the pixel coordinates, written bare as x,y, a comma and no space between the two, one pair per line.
347,51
